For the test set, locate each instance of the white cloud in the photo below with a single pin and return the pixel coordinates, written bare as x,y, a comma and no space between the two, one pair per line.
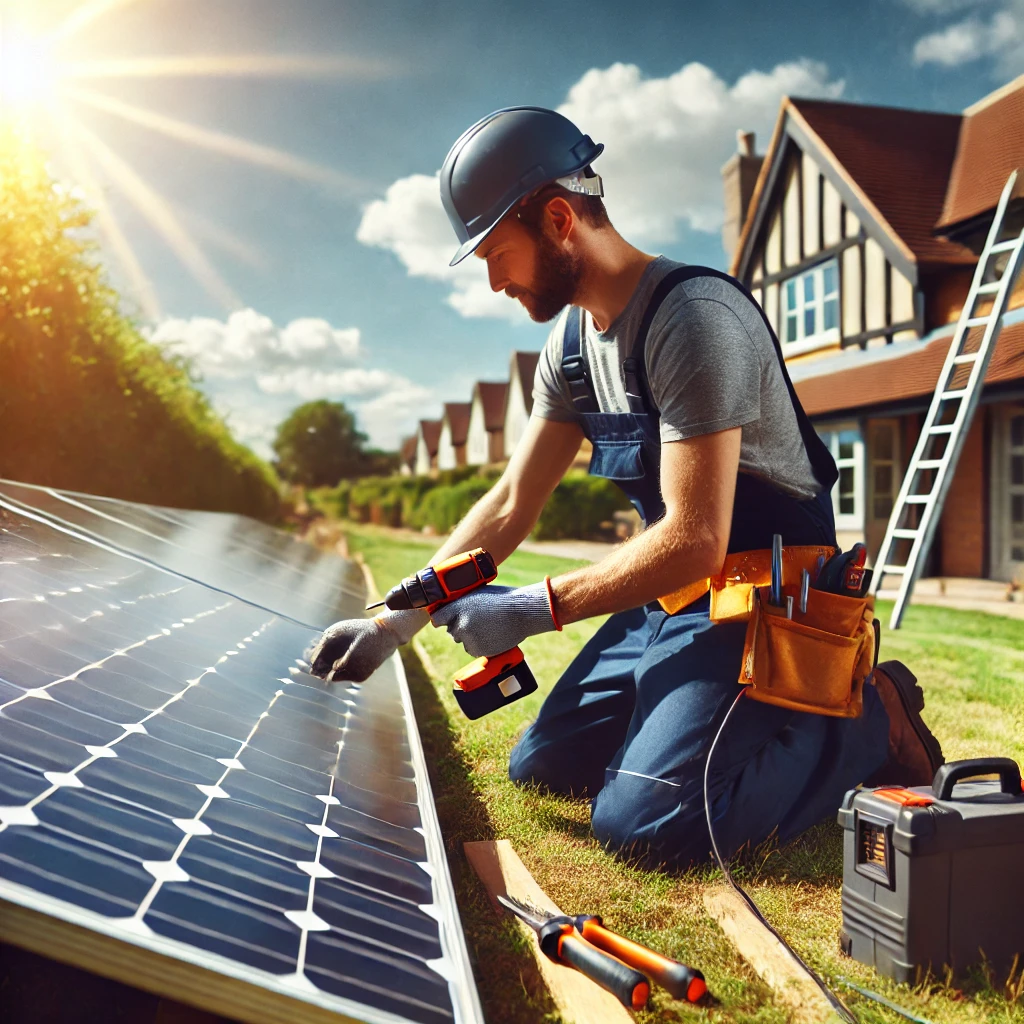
666,140
1000,38
943,7
255,373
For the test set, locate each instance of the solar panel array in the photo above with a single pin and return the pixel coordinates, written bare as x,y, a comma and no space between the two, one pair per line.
230,830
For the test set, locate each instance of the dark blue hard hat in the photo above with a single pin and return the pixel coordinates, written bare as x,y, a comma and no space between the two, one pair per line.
504,157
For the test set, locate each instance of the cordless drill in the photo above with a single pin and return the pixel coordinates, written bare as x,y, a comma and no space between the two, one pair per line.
483,685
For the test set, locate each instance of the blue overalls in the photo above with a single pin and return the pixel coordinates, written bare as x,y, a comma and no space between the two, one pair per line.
630,721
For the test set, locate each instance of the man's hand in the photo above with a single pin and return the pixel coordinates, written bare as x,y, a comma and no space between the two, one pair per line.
353,649
493,619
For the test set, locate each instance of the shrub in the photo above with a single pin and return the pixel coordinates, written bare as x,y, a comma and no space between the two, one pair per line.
443,507
578,507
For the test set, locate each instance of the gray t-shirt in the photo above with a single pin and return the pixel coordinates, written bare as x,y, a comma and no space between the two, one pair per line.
711,365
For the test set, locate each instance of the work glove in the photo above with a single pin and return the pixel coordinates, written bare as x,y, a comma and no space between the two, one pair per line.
493,619
353,649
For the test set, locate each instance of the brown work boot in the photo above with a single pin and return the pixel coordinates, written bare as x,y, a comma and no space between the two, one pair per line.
914,753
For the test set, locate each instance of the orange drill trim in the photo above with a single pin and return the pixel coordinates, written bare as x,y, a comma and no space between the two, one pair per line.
480,672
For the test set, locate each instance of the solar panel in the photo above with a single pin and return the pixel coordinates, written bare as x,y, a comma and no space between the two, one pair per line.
182,806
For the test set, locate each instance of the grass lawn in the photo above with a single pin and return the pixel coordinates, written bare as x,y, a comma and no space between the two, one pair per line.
971,666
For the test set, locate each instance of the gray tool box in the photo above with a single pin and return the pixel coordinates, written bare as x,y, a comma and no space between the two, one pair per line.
936,876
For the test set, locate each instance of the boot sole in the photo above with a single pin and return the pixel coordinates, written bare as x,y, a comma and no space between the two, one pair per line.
912,698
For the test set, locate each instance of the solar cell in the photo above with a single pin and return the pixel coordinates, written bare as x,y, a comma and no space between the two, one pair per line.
227,829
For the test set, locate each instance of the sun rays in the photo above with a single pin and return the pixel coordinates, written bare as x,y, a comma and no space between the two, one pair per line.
46,80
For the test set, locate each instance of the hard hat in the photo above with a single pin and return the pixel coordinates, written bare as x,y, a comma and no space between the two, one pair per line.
506,156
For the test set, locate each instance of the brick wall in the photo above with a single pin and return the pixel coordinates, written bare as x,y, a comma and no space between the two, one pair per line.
962,529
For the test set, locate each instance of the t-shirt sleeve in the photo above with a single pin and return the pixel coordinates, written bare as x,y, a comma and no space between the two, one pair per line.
703,367
551,400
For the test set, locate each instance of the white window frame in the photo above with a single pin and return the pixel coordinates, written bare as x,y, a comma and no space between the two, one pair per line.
793,302
1004,567
831,433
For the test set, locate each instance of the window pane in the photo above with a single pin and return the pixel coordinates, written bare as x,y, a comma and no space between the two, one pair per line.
1017,508
809,318
791,294
791,333
809,288
829,281
845,449
1017,469
831,314
1017,431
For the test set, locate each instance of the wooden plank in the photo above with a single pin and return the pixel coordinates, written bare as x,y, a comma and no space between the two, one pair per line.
768,957
578,999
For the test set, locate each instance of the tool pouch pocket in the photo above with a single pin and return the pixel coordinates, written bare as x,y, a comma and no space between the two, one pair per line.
817,661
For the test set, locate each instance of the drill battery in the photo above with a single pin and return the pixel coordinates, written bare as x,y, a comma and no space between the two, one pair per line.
933,876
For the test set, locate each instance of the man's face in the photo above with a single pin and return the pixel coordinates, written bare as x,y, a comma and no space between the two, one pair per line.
532,267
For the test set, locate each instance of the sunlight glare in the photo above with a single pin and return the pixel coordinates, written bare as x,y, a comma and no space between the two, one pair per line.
29,72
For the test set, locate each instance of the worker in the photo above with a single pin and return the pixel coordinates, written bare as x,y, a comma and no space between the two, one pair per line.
704,433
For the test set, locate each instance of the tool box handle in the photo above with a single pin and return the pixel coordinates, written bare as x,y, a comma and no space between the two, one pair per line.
957,771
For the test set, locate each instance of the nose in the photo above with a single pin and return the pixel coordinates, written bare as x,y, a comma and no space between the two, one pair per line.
496,278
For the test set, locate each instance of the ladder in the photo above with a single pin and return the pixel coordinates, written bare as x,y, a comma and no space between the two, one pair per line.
915,515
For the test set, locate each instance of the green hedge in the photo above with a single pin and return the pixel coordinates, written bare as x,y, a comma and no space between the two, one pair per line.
579,508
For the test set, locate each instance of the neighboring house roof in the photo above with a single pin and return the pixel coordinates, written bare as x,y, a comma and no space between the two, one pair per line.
991,146
457,415
526,367
910,375
901,160
430,431
407,451
492,398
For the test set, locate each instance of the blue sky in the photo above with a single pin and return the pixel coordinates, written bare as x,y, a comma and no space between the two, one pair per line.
340,289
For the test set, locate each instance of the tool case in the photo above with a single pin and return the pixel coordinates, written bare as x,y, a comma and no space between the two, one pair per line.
935,877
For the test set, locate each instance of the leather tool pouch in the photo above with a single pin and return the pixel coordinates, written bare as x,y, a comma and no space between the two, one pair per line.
818,661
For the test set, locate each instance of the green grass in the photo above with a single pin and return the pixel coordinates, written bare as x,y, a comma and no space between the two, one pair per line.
970,665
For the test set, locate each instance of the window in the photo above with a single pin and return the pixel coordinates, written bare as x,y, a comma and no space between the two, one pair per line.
883,452
810,309
846,444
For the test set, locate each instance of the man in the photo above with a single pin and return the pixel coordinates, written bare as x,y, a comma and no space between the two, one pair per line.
675,377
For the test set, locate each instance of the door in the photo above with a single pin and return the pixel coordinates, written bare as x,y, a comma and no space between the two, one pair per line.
1008,494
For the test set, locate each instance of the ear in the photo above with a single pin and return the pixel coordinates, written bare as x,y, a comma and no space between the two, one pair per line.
561,217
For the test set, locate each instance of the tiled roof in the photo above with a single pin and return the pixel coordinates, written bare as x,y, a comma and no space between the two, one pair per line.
913,375
457,415
407,450
430,431
526,365
991,146
901,161
492,397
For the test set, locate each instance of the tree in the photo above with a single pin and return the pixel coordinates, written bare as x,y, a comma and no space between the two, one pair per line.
319,444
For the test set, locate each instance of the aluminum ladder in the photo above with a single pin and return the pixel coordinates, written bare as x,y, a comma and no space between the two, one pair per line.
915,515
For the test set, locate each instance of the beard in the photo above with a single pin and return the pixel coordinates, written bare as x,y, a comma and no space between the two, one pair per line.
558,276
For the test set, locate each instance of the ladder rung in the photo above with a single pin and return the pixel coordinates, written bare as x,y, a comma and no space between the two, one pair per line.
989,289
976,321
905,534
928,464
967,357
898,570
954,394
1006,246
917,499
944,429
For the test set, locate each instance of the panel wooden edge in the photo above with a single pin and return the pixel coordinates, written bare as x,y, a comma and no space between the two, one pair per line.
768,957
578,999
167,976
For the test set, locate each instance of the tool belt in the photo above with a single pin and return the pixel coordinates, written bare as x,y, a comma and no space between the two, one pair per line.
816,661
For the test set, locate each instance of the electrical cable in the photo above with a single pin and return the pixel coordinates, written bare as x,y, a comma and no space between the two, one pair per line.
868,994
837,1004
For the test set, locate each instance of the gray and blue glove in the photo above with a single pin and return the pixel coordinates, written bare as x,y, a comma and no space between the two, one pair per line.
493,619
353,649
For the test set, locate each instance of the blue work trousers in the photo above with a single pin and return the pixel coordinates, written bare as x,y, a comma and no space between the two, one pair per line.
630,723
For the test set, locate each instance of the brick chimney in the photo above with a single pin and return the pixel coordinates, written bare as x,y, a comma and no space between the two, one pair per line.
739,176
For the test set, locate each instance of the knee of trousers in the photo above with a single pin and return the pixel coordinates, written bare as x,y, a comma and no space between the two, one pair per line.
658,822
534,762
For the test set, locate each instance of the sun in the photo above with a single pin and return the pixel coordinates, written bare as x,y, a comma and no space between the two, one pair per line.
29,73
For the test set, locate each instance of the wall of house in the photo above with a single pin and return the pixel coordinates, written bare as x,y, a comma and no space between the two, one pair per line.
477,439
963,533
496,446
516,416
449,455
424,463
809,224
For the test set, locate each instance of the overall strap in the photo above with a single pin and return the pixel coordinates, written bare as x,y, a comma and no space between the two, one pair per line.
820,457
574,366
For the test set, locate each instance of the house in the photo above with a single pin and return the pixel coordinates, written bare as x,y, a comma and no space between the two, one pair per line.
407,455
485,439
451,445
428,434
859,236
519,402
